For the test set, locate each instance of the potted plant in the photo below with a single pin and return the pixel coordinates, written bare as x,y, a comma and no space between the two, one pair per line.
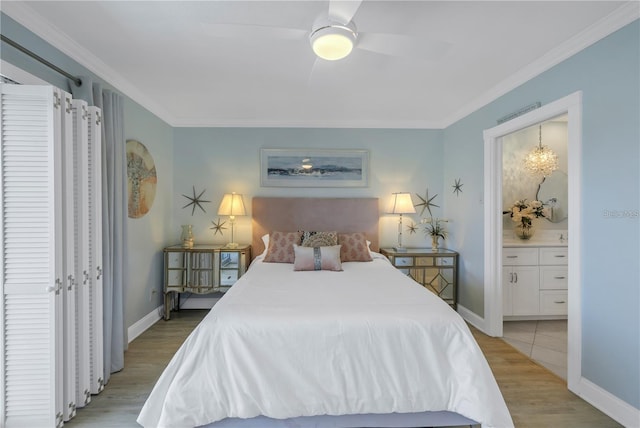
435,228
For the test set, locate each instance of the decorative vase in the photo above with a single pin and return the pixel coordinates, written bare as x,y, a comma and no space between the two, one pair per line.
524,231
187,236
434,243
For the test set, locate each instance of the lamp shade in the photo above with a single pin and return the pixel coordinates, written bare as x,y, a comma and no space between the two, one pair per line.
402,204
232,204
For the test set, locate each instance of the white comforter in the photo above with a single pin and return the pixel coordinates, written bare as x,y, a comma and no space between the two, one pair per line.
286,344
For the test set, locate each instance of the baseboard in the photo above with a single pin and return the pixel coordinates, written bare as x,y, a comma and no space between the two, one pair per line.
198,302
617,409
143,324
472,318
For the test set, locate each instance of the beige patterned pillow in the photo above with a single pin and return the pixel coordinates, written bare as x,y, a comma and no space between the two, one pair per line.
319,239
317,258
281,247
354,247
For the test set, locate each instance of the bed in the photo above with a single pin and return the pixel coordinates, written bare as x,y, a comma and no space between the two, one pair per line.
364,346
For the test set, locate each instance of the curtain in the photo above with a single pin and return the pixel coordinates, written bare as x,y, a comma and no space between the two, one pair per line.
114,218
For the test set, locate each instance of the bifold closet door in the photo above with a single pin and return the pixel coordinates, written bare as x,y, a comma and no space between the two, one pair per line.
69,255
30,266
81,263
94,247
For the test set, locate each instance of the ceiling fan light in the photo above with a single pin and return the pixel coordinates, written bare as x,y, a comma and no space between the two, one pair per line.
333,42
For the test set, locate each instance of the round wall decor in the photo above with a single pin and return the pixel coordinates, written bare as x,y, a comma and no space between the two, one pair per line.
142,179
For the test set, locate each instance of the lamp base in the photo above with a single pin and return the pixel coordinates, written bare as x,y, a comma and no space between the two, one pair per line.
400,249
232,245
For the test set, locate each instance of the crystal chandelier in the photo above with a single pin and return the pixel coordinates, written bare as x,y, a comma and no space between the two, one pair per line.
541,161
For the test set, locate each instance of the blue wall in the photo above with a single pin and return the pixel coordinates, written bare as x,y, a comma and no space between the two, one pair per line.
608,73
223,160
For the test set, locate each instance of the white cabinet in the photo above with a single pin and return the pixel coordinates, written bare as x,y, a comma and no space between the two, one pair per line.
553,281
534,281
520,281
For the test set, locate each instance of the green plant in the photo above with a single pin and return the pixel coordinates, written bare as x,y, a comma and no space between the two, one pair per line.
435,227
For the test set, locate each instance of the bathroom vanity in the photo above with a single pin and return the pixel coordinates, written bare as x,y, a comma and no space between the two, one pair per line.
535,277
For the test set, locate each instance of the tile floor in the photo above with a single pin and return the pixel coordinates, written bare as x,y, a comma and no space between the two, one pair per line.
543,341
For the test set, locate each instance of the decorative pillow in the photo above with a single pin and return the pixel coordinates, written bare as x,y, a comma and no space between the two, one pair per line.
319,239
265,241
281,247
354,247
317,258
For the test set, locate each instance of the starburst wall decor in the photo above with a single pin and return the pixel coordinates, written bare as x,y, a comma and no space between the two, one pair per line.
457,187
218,227
426,203
412,228
195,201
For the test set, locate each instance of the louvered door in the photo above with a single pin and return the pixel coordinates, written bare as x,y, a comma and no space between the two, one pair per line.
69,253
94,247
81,265
30,266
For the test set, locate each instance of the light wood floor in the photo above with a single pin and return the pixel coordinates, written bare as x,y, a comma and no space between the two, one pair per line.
535,396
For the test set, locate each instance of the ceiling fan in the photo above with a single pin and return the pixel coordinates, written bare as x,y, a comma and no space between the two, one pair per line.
334,35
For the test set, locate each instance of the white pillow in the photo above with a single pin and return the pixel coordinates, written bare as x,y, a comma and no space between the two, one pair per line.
317,258
265,241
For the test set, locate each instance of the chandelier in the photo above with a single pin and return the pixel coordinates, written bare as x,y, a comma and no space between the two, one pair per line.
541,161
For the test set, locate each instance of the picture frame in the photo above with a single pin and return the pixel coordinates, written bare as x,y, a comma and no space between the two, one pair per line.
314,168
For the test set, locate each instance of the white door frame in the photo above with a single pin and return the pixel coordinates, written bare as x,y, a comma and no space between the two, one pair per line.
572,106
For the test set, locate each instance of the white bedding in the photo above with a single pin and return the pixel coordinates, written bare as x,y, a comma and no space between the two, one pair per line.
286,344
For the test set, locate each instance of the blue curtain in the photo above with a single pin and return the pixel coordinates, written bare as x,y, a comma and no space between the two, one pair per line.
114,218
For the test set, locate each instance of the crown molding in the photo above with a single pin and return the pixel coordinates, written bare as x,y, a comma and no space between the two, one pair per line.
622,16
34,22
23,14
309,123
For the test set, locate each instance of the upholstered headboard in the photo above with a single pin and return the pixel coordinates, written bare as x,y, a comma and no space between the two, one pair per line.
320,214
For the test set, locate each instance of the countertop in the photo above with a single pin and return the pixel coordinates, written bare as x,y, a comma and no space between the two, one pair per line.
542,238
511,242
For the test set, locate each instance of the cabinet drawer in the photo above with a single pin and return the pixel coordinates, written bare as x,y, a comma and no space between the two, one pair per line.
553,302
228,277
444,261
519,256
554,278
424,261
403,261
175,260
553,256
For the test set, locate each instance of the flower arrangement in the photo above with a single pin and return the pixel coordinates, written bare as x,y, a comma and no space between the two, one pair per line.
523,213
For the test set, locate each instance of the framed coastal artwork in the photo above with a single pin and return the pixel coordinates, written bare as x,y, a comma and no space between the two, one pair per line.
314,168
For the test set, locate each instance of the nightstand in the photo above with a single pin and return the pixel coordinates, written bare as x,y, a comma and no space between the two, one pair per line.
202,269
436,270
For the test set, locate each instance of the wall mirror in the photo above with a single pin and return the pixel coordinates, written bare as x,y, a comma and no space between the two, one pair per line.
553,192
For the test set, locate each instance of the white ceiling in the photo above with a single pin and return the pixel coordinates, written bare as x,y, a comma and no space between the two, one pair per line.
240,63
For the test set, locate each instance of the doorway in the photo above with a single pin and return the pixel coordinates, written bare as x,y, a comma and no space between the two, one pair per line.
493,290
535,291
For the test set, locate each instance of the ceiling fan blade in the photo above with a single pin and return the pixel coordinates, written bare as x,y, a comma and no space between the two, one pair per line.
403,46
343,11
320,70
252,31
